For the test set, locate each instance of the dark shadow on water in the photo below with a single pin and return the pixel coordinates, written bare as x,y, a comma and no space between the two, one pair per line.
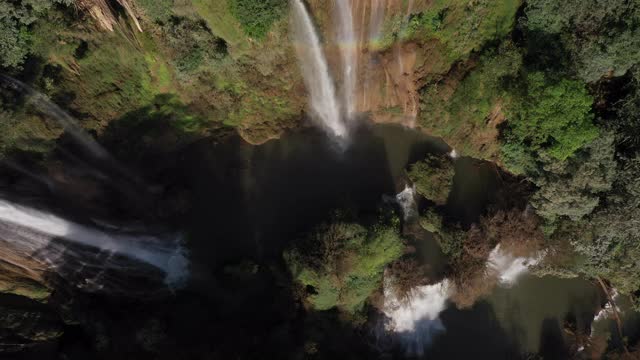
472,334
552,344
246,204
474,185
250,201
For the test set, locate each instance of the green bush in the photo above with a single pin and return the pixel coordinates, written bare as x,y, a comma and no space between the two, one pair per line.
165,108
158,10
257,16
433,177
16,17
572,188
601,37
343,263
459,26
193,44
626,122
517,158
608,241
552,117
431,221
461,117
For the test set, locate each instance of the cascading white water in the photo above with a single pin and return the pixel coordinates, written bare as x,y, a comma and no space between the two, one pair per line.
407,201
315,71
509,268
607,312
37,229
348,45
416,319
47,107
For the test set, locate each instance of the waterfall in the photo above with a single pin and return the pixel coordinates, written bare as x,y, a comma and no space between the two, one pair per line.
315,71
31,232
407,201
509,268
71,126
607,312
415,320
348,45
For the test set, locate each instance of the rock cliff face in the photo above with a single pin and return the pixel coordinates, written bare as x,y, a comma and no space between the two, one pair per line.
20,273
408,55
386,81
221,77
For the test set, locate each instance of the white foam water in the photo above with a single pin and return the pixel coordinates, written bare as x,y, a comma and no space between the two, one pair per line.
407,201
415,319
509,268
37,229
606,313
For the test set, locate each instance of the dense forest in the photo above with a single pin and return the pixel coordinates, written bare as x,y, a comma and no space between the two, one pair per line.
109,110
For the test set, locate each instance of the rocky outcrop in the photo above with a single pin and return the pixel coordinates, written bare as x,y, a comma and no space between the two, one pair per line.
104,15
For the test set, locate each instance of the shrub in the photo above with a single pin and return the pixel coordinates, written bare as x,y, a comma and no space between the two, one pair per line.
468,117
158,10
554,118
15,35
341,263
626,122
431,221
257,16
609,239
572,188
193,44
601,37
433,177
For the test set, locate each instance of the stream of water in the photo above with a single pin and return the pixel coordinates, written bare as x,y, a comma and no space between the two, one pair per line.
38,230
322,92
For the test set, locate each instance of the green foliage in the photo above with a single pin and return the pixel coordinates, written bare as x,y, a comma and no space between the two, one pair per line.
572,188
460,27
433,177
451,240
257,16
343,263
21,131
518,159
16,17
467,26
428,22
164,125
218,16
601,37
626,122
115,79
553,118
166,108
431,221
158,10
609,240
462,117
192,43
